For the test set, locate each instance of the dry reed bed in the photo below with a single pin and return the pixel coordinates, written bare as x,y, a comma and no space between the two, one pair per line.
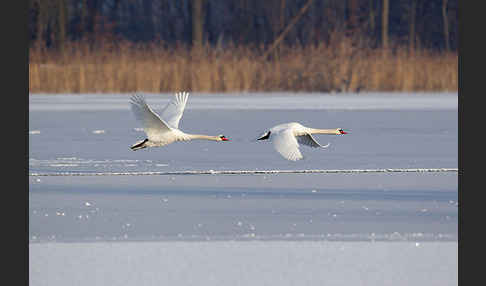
342,67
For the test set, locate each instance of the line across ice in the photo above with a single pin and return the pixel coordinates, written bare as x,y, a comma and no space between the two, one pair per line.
244,172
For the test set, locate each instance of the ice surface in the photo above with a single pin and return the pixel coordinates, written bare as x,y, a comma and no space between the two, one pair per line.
328,228
258,101
366,207
244,263
424,137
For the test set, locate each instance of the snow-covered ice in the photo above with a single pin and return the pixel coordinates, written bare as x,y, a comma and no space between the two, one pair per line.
258,101
224,263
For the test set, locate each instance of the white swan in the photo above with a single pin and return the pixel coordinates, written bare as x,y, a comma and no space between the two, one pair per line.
165,130
286,138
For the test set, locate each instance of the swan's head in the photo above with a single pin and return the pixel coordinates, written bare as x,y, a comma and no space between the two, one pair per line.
223,138
340,131
264,136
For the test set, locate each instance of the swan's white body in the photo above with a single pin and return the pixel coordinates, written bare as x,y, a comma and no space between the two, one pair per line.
164,130
287,137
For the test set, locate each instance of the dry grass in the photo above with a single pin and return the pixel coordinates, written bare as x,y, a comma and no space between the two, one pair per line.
342,66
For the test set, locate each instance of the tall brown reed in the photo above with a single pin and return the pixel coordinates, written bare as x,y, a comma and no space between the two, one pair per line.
341,66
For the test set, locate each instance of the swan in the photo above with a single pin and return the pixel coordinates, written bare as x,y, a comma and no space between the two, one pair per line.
286,138
164,130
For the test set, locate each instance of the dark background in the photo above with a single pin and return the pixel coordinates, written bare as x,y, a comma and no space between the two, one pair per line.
429,24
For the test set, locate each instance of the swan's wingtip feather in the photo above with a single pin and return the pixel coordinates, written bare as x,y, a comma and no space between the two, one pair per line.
181,96
137,98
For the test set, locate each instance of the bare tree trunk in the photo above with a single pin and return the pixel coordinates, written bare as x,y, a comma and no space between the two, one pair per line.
411,31
281,24
384,27
446,24
353,8
287,29
197,22
59,16
372,17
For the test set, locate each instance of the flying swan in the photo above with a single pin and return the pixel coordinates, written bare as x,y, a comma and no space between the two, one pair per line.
286,138
164,130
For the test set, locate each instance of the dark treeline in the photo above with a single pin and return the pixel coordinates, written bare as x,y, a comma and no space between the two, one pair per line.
429,24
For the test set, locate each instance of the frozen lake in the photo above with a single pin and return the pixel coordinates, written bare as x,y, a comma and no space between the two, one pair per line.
244,263
327,220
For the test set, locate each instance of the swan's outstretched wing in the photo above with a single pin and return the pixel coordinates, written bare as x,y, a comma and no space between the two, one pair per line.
151,122
172,112
310,141
286,144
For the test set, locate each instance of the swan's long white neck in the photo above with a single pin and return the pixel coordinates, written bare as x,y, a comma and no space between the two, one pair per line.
202,137
321,131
